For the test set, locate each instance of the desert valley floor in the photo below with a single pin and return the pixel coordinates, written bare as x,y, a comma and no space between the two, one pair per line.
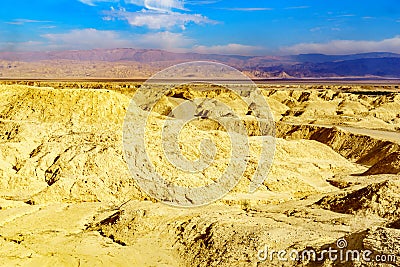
67,197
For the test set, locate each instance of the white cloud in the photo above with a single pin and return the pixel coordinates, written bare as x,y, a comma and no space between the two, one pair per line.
86,38
164,40
92,38
337,47
158,5
248,8
156,14
93,2
319,29
20,46
158,20
24,21
316,29
297,7
229,49
345,15
87,2
48,27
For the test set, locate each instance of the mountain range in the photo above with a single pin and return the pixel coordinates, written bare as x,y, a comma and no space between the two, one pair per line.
135,63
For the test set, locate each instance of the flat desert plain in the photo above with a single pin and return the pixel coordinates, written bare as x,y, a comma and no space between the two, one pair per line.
68,198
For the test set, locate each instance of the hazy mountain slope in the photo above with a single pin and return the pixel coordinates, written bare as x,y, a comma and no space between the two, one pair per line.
144,62
383,67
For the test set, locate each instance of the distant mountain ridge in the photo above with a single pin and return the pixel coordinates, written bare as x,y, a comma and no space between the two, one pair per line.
377,64
114,55
321,58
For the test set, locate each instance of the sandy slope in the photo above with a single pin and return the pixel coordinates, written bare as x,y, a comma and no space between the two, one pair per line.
67,197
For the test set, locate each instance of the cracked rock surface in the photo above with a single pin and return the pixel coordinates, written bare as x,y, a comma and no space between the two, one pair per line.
68,198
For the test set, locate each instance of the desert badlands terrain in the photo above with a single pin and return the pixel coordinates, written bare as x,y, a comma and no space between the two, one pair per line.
68,197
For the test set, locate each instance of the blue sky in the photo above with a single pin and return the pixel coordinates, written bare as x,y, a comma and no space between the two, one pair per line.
252,27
